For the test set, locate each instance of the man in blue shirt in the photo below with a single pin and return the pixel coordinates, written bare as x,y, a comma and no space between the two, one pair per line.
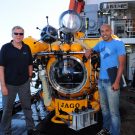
112,55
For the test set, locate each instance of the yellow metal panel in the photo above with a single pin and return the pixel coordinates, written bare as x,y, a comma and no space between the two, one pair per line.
68,106
91,42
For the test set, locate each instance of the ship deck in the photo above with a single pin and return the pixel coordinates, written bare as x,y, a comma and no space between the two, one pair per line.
46,127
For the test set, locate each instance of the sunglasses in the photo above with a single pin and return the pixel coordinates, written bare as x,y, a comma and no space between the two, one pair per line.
21,34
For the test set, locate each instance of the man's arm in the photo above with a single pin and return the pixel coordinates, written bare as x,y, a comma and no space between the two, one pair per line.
122,60
2,81
30,68
88,53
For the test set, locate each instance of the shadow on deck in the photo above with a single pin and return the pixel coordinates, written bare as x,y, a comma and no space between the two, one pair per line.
46,127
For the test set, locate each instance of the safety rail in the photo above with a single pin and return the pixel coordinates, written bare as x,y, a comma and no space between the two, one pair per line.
124,28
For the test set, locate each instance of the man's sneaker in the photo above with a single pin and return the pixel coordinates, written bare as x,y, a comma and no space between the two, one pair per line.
33,132
103,132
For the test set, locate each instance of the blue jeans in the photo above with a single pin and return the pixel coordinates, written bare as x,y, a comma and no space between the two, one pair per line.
109,101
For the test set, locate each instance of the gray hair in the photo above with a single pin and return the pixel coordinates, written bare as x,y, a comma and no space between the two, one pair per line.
17,27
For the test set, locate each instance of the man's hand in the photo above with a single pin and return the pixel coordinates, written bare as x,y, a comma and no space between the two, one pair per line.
88,53
115,86
4,90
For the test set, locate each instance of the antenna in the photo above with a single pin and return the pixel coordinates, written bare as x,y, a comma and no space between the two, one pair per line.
47,20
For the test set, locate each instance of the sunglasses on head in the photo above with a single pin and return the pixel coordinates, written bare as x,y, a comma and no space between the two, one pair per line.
21,34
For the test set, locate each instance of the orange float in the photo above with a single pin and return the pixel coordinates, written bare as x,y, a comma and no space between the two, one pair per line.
55,47
65,47
76,47
35,46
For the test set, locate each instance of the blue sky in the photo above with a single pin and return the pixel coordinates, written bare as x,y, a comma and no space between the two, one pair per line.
29,14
